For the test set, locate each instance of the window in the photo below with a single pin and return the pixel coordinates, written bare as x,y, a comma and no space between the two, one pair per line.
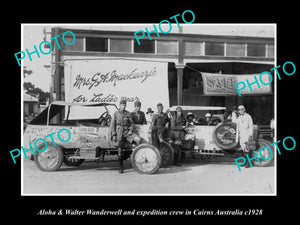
256,50
235,49
167,47
270,51
120,45
146,46
214,48
193,48
93,44
76,46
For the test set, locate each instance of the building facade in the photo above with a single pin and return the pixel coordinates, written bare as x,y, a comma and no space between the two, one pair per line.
188,56
30,105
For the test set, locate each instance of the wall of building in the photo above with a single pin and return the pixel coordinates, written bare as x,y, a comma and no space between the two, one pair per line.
243,50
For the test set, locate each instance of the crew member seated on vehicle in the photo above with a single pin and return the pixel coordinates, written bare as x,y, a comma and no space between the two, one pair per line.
160,125
231,115
209,120
122,131
190,119
189,139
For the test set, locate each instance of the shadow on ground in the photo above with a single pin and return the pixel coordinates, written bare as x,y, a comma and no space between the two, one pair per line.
186,164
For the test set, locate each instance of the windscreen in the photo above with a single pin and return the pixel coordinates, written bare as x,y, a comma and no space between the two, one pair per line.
88,112
200,114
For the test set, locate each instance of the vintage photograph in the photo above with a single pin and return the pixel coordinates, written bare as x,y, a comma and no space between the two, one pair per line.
189,112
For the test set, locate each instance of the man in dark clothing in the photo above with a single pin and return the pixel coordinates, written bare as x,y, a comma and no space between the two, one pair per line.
160,124
121,130
178,123
138,117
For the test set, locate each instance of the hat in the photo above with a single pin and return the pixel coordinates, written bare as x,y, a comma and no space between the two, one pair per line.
178,108
159,104
190,114
241,107
138,103
149,110
123,101
207,115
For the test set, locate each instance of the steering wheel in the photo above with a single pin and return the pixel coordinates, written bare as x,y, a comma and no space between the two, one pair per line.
104,119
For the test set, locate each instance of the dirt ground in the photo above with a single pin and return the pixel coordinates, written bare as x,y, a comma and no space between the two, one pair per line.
218,176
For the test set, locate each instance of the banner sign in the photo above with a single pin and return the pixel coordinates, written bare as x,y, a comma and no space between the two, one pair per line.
110,80
223,84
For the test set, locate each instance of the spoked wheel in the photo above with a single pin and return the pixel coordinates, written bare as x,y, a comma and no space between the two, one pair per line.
166,154
265,156
146,159
50,159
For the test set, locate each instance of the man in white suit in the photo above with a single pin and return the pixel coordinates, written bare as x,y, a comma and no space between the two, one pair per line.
244,130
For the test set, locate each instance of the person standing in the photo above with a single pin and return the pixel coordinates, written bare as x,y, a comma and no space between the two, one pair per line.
160,125
189,139
244,130
178,123
121,130
138,117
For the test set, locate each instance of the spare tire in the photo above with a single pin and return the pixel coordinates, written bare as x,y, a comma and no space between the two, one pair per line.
224,135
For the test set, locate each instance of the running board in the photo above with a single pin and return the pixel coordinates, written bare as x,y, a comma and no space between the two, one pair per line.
210,152
81,157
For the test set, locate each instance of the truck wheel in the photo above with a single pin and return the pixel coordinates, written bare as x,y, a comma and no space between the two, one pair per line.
166,154
146,159
72,162
265,153
49,160
224,135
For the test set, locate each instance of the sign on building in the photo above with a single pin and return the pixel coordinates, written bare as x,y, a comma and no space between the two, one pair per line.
110,80
223,84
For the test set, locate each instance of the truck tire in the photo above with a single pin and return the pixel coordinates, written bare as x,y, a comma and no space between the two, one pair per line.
50,159
265,153
224,135
166,154
146,159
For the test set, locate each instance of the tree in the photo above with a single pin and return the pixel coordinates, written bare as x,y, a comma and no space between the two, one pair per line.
31,89
26,71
